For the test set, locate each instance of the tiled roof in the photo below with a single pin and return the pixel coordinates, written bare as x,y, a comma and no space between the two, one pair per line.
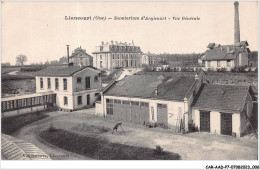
221,53
222,97
61,71
143,86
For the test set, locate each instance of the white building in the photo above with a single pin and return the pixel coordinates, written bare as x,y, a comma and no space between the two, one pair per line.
75,87
80,57
111,55
223,109
146,99
225,56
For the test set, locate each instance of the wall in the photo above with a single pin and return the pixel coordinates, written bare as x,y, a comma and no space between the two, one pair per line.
99,109
215,121
84,59
215,124
60,90
173,108
223,64
236,124
86,73
84,94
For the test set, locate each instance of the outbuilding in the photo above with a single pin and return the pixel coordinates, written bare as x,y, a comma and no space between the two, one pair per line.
223,109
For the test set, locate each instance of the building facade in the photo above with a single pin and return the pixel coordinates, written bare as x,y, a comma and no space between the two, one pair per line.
225,56
113,55
150,59
75,87
80,57
223,109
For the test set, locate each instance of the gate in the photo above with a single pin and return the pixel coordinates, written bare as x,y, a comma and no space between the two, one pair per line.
162,114
226,123
204,121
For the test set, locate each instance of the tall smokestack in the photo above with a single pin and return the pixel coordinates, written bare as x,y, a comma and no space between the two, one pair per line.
68,53
236,25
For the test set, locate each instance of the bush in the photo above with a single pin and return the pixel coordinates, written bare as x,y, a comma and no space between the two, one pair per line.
158,150
193,128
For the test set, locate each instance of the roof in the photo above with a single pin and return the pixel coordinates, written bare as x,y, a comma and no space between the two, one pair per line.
61,71
143,86
222,52
222,97
26,96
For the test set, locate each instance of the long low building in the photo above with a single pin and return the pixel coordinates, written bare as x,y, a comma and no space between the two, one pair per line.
144,99
178,103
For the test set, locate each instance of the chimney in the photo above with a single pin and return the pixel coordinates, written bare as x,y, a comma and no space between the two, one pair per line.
133,43
68,53
112,42
102,43
236,25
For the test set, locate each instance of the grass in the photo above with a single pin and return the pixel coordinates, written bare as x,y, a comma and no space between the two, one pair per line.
12,124
100,148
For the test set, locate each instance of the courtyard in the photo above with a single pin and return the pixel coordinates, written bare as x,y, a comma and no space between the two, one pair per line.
190,146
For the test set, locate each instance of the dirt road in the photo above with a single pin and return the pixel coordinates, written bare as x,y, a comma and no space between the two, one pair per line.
192,146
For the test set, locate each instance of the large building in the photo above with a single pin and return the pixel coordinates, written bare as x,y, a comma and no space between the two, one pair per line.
80,57
75,87
227,56
150,59
112,55
144,99
178,102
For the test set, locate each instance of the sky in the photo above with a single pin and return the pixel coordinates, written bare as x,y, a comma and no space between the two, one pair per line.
39,29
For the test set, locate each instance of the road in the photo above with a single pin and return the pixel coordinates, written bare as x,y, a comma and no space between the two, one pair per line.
191,146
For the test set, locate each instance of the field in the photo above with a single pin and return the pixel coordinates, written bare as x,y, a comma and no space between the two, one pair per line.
19,82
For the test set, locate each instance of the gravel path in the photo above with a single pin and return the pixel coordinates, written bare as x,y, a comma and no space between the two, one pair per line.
192,146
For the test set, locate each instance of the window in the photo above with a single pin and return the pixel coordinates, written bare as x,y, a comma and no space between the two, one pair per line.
100,57
228,63
87,82
110,106
65,100
79,100
218,63
209,63
100,64
78,79
65,84
56,83
49,83
113,56
96,94
95,78
41,83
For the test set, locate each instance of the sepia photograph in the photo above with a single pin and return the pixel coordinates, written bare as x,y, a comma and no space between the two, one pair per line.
159,81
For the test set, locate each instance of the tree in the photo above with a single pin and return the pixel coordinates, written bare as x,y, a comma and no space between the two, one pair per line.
21,59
